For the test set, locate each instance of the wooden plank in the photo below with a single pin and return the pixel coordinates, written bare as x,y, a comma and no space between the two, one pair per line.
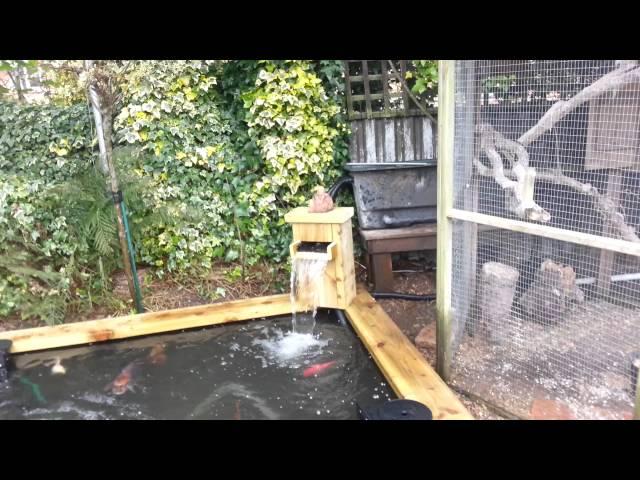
397,245
409,154
80,333
301,215
446,124
427,139
399,136
402,364
370,141
345,266
353,142
586,239
389,140
405,232
382,270
417,136
380,140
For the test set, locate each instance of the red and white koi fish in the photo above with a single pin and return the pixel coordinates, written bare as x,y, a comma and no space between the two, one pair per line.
317,368
123,382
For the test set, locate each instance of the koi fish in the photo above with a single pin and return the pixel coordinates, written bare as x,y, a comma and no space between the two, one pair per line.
317,368
157,355
122,382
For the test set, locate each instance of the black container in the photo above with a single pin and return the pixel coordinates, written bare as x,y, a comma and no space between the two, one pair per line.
396,410
5,359
397,194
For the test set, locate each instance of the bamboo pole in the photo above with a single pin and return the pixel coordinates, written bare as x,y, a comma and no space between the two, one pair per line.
446,110
102,97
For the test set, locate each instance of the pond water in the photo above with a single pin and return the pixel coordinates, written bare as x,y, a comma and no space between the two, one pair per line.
257,369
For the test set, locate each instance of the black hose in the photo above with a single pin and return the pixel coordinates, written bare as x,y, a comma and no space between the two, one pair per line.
341,317
404,296
5,359
339,185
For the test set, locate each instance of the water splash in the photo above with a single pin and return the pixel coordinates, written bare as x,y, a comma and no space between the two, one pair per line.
307,277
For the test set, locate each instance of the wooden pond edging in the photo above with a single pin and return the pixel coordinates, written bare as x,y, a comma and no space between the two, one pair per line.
403,366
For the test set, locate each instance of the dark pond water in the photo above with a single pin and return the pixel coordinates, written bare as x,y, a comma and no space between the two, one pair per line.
257,369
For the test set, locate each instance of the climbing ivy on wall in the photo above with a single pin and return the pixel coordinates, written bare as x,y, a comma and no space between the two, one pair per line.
226,148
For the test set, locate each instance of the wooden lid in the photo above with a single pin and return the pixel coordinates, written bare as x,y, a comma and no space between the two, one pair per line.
302,215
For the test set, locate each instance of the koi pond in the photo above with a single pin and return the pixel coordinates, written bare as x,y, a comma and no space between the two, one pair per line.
257,369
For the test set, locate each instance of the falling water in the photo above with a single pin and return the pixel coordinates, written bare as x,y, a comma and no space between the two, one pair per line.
307,277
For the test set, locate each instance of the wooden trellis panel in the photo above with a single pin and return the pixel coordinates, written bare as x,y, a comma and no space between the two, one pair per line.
386,124
374,92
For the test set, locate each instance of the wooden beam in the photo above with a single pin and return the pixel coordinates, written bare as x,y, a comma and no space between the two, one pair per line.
586,239
80,333
428,229
373,96
446,99
338,215
390,114
370,76
410,244
347,78
365,75
402,364
384,67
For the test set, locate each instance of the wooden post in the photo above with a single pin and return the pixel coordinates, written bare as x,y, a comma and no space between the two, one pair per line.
636,410
497,290
446,110
469,193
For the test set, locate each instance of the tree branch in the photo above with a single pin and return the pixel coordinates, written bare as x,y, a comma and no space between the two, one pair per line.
626,73
605,206
410,93
518,193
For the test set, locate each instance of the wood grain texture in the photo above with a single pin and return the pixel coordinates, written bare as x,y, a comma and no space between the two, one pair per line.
301,215
405,368
80,333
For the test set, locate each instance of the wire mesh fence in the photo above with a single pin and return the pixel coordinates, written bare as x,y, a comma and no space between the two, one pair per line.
541,324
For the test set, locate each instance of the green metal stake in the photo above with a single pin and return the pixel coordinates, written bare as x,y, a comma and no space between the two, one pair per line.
132,259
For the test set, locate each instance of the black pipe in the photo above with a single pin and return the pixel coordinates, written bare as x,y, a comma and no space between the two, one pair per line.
404,296
341,317
339,185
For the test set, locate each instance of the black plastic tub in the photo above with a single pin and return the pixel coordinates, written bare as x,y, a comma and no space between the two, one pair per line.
391,195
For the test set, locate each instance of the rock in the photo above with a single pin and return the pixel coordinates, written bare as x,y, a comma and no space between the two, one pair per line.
321,202
426,337
543,409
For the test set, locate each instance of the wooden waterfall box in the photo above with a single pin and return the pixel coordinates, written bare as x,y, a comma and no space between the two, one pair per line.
339,287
